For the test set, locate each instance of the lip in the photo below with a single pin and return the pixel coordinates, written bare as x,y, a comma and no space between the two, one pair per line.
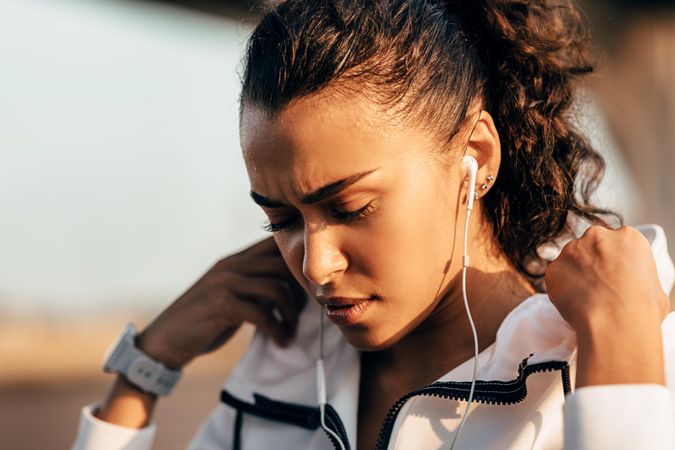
345,310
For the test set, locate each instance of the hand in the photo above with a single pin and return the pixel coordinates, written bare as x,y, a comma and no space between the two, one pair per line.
245,287
607,275
606,286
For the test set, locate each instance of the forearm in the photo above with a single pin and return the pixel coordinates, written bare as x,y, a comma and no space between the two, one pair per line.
612,351
127,405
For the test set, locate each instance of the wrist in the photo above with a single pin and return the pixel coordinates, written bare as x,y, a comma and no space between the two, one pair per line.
615,350
127,405
137,367
604,313
156,349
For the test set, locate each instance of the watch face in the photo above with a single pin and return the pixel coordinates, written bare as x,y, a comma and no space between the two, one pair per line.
112,355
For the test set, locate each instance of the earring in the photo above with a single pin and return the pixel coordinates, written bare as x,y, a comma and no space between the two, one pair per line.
490,178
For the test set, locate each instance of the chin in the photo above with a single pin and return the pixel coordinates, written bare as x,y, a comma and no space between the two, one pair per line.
368,340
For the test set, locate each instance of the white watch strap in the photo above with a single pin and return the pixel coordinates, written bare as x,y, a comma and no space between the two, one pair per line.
148,374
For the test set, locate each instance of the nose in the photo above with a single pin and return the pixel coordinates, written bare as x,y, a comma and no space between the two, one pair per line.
322,259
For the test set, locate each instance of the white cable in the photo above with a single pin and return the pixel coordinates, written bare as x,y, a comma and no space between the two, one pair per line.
321,385
465,264
320,371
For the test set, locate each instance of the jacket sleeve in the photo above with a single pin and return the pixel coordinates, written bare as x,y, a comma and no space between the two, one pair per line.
619,417
96,434
625,416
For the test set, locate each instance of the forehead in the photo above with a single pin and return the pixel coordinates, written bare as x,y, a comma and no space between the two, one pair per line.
316,140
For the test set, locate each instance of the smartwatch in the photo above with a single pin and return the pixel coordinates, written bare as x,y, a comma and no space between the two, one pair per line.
146,373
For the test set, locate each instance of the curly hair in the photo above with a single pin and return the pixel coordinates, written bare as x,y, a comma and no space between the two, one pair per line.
428,62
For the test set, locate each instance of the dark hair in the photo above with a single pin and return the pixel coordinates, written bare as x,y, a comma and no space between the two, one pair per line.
429,61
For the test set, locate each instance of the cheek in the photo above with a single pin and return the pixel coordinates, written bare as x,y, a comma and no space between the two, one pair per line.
404,264
292,251
406,255
415,236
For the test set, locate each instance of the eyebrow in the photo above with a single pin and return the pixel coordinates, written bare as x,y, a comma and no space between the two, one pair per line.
317,195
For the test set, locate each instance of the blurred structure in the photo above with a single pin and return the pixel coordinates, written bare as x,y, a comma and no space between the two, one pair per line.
121,182
636,94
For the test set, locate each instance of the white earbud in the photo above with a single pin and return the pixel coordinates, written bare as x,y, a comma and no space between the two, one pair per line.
471,166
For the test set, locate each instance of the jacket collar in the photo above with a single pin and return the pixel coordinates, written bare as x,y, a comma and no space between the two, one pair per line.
532,335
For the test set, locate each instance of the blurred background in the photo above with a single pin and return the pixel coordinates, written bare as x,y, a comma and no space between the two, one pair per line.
121,181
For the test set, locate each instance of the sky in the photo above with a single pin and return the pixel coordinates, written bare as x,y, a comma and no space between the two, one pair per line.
121,178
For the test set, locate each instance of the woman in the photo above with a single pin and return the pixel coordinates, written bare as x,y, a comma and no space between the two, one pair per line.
355,118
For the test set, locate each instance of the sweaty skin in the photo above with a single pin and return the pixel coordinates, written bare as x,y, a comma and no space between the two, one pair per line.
405,254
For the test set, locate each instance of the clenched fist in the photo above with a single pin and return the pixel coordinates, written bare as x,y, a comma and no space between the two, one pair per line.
606,275
606,286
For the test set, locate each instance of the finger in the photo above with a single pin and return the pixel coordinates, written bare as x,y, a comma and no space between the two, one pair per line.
261,266
292,298
276,268
265,248
262,318
272,293
272,267
275,295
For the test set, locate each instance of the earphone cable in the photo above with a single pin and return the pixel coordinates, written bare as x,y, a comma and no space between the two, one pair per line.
473,330
321,384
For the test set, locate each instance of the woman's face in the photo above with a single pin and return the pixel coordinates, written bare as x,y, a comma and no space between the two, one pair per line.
364,212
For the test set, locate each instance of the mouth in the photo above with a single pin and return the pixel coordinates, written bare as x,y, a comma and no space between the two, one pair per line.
345,310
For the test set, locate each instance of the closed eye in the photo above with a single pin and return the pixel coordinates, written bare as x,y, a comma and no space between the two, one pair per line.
273,227
354,215
339,216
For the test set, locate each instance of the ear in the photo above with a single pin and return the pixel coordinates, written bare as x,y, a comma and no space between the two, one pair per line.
484,145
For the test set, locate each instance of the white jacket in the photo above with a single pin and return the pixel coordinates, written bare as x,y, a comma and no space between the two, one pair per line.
523,399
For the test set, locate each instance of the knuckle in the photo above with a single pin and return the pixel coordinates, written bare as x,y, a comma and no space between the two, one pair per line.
227,277
567,251
631,237
627,229
599,230
634,234
593,231
224,263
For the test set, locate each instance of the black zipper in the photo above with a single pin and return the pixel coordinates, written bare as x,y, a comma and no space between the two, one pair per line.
302,416
488,392
334,422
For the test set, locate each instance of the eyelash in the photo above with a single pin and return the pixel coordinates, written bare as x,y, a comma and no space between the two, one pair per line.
339,216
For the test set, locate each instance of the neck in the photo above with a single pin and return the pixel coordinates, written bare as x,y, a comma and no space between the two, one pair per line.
444,340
